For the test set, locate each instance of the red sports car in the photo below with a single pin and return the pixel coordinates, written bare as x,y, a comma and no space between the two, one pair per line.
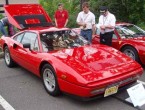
63,59
129,39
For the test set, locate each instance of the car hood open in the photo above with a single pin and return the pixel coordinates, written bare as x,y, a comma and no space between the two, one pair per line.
27,15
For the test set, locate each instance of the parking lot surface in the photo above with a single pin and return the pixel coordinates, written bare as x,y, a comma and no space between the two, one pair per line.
24,91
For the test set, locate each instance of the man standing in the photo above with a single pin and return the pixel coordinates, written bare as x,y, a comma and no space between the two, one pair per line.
86,21
4,22
106,25
9,30
61,17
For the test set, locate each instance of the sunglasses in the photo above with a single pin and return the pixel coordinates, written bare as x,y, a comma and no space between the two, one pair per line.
102,12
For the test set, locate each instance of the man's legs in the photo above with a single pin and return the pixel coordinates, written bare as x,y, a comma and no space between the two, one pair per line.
102,39
83,34
11,30
108,38
89,35
2,29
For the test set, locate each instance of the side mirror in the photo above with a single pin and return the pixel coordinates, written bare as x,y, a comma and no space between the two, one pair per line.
15,45
27,45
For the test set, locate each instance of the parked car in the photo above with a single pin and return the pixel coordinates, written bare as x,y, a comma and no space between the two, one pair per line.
64,60
129,39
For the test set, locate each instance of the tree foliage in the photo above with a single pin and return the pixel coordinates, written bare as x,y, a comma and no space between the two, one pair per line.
125,10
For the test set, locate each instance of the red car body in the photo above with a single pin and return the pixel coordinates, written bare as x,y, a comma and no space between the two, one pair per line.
82,70
130,41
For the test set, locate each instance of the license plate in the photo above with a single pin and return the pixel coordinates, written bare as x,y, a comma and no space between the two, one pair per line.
111,90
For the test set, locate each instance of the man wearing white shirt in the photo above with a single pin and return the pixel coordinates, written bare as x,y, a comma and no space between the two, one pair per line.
86,21
106,25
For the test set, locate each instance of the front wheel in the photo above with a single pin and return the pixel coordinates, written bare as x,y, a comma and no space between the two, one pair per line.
49,80
131,52
7,57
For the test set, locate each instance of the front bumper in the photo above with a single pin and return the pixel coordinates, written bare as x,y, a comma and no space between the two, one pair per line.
142,58
86,92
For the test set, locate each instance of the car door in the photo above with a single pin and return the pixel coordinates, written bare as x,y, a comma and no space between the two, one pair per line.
115,40
28,57
17,47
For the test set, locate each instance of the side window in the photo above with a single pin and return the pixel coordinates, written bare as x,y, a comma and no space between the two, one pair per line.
36,45
44,46
47,41
31,38
18,37
121,33
114,36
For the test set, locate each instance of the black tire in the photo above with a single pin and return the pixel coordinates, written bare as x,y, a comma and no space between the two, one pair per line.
7,57
131,52
51,83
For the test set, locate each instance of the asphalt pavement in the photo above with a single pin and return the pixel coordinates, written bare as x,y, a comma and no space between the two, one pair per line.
24,91
1,53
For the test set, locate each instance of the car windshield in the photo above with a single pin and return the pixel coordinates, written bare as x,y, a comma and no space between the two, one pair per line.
130,31
61,39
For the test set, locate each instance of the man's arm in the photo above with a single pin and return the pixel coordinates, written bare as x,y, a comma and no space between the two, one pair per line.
67,16
56,23
93,29
79,21
55,19
109,26
93,25
81,24
66,23
112,23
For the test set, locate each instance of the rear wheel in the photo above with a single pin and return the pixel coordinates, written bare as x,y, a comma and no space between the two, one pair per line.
7,57
131,52
49,80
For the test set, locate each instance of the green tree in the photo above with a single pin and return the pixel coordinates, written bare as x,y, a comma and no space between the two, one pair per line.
125,10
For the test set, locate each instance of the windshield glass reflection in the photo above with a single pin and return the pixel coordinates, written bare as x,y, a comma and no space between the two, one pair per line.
130,31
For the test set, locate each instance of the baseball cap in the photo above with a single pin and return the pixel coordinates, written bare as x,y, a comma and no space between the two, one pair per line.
103,9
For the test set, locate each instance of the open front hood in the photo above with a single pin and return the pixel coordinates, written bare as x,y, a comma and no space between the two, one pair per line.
27,15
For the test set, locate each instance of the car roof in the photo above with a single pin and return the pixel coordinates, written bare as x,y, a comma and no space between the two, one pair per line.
122,23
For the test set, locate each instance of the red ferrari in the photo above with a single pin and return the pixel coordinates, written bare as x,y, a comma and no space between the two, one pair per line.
64,60
129,39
